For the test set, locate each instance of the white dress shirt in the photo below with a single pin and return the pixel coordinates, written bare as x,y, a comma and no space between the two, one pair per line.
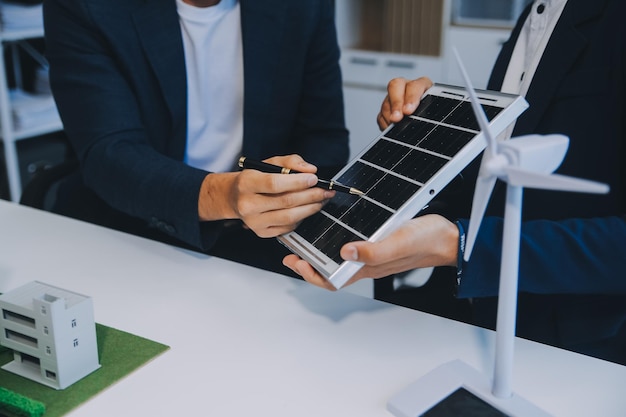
214,62
530,46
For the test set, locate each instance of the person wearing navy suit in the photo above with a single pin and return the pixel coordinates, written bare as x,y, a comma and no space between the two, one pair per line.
131,79
571,280
579,89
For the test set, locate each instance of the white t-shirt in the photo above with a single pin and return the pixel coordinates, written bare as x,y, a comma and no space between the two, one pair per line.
530,46
214,62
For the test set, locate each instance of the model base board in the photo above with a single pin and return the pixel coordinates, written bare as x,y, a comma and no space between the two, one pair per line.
454,389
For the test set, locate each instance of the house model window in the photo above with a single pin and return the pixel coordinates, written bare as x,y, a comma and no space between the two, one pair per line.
52,333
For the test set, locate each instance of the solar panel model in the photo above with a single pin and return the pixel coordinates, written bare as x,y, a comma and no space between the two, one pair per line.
400,172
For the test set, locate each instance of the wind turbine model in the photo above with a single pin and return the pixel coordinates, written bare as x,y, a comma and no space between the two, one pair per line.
526,161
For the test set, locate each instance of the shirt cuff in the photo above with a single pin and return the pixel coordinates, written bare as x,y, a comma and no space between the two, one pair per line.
461,253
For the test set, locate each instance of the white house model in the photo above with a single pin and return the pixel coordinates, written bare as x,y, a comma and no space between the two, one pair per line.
52,333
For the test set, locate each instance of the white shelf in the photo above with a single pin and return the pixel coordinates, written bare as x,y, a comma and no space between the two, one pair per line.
375,69
20,34
9,133
38,130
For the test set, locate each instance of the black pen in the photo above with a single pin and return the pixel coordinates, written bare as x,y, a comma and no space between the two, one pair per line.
247,163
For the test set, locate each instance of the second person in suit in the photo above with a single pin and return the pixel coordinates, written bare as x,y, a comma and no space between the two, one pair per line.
568,58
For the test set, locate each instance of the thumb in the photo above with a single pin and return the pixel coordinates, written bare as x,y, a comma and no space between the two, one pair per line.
350,252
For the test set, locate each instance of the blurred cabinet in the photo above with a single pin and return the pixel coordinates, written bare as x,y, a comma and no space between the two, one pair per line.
415,27
487,13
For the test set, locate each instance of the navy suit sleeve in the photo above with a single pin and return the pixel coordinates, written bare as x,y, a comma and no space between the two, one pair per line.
573,256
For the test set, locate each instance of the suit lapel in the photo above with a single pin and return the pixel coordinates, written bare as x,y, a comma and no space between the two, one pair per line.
159,31
262,25
564,47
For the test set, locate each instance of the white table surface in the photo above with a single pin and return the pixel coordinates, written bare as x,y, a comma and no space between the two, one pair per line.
246,342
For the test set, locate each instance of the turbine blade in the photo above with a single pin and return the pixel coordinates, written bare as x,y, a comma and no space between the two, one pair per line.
482,193
481,117
523,178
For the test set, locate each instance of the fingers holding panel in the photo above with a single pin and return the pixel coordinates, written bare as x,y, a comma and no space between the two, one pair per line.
414,91
307,272
403,97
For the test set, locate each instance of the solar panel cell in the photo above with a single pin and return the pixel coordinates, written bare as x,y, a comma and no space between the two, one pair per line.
410,131
446,141
419,165
333,239
393,191
362,174
436,108
386,154
365,217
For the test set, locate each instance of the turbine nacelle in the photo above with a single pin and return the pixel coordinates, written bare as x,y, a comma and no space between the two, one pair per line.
537,153
526,161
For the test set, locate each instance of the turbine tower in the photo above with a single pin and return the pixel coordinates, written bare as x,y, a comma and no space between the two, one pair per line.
526,161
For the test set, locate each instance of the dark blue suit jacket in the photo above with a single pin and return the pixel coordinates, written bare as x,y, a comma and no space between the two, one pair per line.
572,244
118,75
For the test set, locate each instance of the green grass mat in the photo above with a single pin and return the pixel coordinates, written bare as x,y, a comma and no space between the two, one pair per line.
120,353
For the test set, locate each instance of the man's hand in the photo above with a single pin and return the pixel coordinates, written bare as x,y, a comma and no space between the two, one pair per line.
425,241
269,204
